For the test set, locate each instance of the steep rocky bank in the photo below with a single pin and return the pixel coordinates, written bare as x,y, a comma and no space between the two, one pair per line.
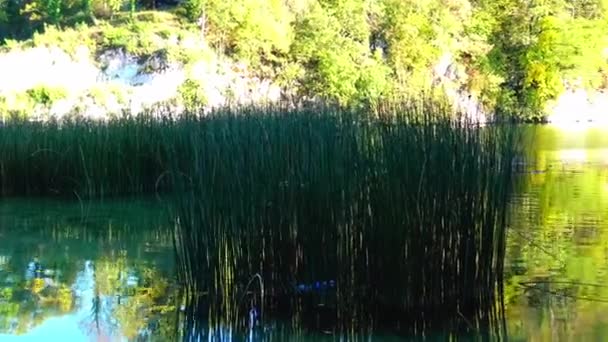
116,81
106,84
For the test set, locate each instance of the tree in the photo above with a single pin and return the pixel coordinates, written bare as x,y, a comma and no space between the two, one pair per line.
333,48
251,30
417,33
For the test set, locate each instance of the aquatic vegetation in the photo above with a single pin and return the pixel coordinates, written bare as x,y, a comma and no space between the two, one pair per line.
81,158
405,211
398,216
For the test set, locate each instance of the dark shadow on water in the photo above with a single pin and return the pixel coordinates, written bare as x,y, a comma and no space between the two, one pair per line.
320,322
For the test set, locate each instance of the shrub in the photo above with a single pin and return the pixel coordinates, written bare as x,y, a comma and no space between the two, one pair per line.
192,94
99,95
46,95
68,40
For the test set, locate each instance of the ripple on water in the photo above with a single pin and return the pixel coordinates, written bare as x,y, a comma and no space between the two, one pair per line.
557,249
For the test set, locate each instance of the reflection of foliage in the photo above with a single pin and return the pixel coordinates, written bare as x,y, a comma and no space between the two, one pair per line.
110,274
137,295
59,297
29,304
37,285
147,301
8,308
26,303
557,251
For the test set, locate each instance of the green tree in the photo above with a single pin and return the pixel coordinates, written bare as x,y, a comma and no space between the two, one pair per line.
417,33
537,45
332,41
252,30
540,64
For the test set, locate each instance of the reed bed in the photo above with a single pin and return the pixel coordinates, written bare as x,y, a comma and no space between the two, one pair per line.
328,219
403,212
83,158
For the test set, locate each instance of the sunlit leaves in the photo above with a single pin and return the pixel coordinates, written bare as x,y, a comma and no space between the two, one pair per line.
332,52
146,300
539,45
251,29
542,80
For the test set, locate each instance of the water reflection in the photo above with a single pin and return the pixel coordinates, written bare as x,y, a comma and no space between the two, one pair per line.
66,274
557,257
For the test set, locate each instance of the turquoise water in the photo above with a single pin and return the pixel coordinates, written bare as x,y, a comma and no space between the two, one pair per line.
72,269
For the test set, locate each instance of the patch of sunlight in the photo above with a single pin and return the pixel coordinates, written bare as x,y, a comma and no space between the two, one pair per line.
569,125
572,155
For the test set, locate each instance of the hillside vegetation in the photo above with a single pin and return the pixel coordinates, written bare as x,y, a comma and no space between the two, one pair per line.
516,56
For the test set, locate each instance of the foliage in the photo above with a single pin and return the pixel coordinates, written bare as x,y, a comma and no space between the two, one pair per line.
46,95
518,54
538,46
416,33
333,47
192,95
99,95
23,103
144,34
68,40
252,30
137,38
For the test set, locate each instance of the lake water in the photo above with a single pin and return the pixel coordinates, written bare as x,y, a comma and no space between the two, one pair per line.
103,270
557,259
72,270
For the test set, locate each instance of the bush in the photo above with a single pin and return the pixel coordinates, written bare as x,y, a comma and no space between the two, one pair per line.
107,8
99,95
68,40
46,95
192,94
16,105
117,37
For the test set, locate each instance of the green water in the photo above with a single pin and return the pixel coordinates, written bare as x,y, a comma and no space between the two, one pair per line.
557,258
78,271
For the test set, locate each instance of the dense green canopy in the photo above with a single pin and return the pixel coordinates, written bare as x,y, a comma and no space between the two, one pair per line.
516,55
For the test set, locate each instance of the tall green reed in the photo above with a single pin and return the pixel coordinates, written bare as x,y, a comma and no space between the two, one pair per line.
82,157
404,210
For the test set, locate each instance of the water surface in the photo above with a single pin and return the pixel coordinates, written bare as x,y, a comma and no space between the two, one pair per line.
556,281
80,271
103,270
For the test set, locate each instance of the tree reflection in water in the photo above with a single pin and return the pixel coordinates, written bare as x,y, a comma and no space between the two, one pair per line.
105,276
